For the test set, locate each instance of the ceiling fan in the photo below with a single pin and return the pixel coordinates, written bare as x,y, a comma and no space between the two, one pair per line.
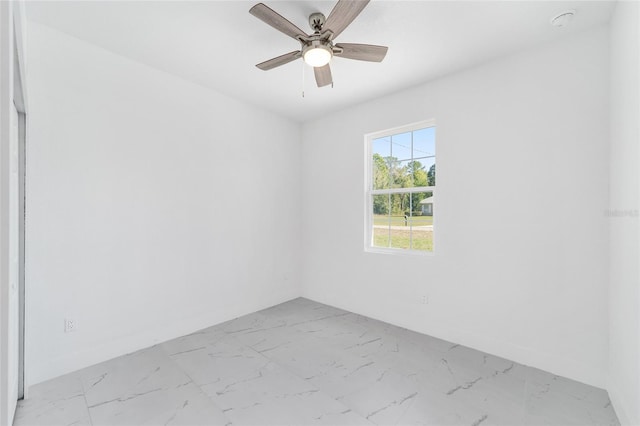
318,48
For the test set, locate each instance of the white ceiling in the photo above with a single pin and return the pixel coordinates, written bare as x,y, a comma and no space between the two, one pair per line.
217,43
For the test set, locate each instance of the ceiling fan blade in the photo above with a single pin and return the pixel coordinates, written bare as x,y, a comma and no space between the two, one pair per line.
343,13
273,18
280,60
323,75
362,52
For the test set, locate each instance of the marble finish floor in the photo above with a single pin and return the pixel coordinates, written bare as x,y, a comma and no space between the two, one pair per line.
304,363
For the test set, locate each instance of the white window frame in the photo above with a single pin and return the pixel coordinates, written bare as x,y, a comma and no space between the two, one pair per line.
370,192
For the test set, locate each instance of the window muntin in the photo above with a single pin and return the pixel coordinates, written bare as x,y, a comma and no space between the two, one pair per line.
400,189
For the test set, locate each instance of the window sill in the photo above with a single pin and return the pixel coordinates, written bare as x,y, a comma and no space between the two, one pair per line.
399,252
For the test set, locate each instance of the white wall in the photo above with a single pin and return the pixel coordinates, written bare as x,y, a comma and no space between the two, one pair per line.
521,263
155,206
624,296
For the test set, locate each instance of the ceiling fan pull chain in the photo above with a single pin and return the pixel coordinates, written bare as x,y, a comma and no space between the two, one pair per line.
303,79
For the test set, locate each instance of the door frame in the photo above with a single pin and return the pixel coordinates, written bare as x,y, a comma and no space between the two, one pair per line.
12,91
22,119
19,100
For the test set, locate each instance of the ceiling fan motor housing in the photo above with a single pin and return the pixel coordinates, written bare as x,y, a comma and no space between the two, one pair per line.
316,21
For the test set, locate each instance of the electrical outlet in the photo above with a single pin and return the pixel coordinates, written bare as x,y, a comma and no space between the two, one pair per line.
70,325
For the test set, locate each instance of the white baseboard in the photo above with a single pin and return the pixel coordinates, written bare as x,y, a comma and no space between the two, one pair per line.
569,368
620,407
105,351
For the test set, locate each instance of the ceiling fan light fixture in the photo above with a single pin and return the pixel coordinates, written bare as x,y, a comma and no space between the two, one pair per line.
317,56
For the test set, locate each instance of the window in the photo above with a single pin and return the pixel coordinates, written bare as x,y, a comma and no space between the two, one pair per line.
400,187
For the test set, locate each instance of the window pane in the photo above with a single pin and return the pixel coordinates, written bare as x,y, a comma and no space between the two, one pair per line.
400,229
401,146
382,147
380,220
380,172
400,206
418,171
422,221
429,165
401,174
424,142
